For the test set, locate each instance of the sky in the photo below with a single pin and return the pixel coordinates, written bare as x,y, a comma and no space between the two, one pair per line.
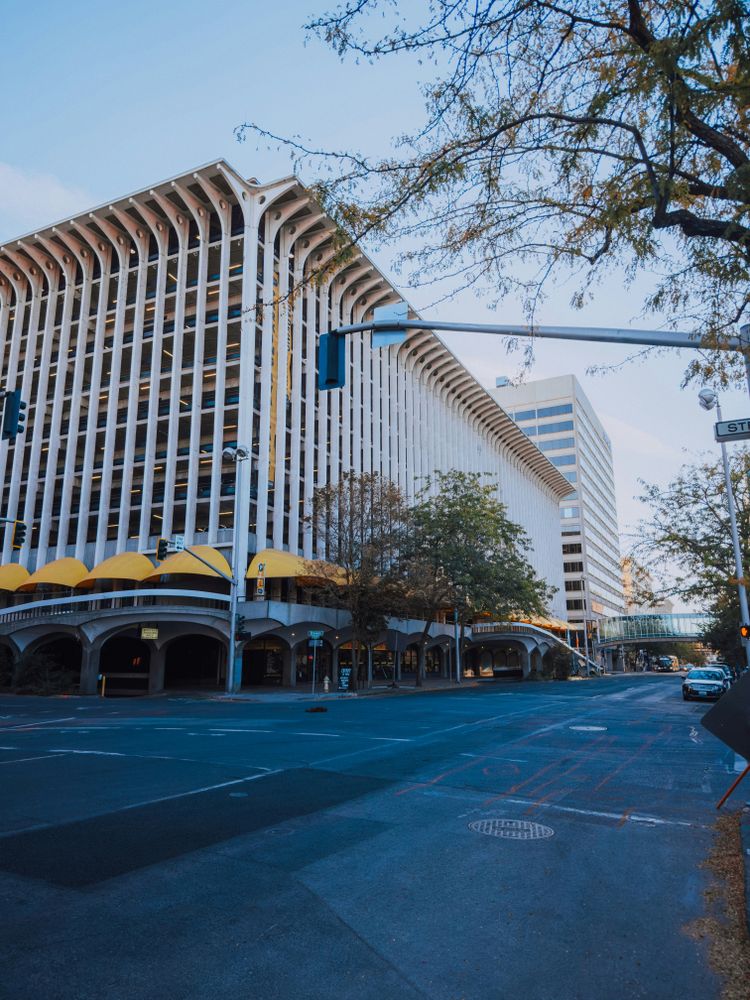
104,99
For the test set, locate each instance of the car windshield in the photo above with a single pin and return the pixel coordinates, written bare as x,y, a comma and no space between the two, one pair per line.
704,675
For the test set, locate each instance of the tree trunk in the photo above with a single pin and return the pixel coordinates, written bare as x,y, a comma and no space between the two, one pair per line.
354,676
422,655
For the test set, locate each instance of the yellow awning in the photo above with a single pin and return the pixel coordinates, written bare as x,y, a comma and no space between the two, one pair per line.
276,564
183,564
67,572
286,565
125,566
12,576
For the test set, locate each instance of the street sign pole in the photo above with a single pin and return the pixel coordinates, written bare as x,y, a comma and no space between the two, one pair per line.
741,589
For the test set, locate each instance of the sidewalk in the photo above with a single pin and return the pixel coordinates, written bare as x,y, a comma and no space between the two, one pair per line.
303,692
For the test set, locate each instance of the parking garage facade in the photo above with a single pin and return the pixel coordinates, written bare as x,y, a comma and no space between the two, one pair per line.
154,331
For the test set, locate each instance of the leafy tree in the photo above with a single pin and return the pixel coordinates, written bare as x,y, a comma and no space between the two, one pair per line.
686,542
562,135
360,520
463,551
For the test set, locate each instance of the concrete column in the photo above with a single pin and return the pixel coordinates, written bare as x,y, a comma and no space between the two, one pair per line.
397,665
288,673
89,669
335,666
157,661
525,662
369,666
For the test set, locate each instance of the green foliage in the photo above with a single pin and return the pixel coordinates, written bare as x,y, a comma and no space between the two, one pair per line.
40,673
562,137
687,542
557,664
463,550
360,520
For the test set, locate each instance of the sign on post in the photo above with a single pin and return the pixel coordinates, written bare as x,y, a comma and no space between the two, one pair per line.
345,675
178,543
732,430
315,633
260,587
149,632
385,336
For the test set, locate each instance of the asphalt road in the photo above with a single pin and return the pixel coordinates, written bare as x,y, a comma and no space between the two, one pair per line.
180,848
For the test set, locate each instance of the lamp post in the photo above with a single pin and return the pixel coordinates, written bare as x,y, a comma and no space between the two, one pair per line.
709,399
238,455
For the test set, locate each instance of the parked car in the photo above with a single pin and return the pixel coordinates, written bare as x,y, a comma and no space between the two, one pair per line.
704,683
728,673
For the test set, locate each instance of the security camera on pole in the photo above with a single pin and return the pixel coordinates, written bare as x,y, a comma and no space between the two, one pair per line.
709,400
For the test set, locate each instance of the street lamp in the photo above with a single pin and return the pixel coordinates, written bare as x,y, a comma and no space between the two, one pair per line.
238,455
709,400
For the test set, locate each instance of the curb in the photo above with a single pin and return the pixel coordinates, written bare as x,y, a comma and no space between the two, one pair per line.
745,841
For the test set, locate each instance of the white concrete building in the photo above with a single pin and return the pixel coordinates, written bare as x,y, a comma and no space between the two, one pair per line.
153,331
557,416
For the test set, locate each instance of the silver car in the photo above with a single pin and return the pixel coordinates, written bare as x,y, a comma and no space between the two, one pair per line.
704,684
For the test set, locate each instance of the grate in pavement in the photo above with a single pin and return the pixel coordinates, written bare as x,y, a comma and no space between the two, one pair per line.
512,829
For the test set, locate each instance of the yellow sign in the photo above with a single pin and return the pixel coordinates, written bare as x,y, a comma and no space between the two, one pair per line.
148,632
260,588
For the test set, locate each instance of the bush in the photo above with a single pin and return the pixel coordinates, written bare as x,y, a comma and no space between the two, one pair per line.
40,673
557,664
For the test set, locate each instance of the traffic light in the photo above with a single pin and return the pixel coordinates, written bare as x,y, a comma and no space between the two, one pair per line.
14,416
162,547
240,626
745,631
331,361
19,534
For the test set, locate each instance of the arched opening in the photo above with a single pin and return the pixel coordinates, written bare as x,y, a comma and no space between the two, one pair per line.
263,662
306,656
125,660
490,660
51,666
7,665
194,661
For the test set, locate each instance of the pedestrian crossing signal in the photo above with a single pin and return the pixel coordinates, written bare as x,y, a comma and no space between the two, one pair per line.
19,534
745,631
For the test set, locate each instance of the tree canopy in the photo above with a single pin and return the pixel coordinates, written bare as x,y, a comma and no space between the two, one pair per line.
687,535
562,135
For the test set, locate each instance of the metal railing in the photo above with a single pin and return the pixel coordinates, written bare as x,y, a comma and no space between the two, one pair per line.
113,601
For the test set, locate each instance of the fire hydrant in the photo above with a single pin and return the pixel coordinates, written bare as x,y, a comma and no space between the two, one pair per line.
326,684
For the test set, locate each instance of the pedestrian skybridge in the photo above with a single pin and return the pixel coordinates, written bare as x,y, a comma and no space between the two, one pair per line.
686,627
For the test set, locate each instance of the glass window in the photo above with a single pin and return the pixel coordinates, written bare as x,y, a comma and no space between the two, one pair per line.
571,549
526,415
557,443
563,459
529,431
560,425
553,411
570,512
572,477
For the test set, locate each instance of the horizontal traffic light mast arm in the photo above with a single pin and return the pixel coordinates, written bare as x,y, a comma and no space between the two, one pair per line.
205,562
609,335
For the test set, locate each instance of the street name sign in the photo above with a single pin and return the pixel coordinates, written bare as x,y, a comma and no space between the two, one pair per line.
732,430
315,633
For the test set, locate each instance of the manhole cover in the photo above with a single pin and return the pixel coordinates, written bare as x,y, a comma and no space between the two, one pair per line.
589,729
511,829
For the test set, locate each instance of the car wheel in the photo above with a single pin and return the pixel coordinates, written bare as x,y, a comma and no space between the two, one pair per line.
685,697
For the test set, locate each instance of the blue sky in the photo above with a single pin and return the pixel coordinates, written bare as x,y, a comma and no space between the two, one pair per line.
103,99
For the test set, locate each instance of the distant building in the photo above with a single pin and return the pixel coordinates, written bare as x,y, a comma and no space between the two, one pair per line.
638,591
557,416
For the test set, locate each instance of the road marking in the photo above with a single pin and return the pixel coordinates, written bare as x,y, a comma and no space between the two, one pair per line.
22,760
241,731
597,814
156,756
512,760
33,725
8,748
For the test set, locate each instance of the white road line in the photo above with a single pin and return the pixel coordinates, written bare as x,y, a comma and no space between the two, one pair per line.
33,725
631,818
9,748
242,731
22,760
484,756
156,756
